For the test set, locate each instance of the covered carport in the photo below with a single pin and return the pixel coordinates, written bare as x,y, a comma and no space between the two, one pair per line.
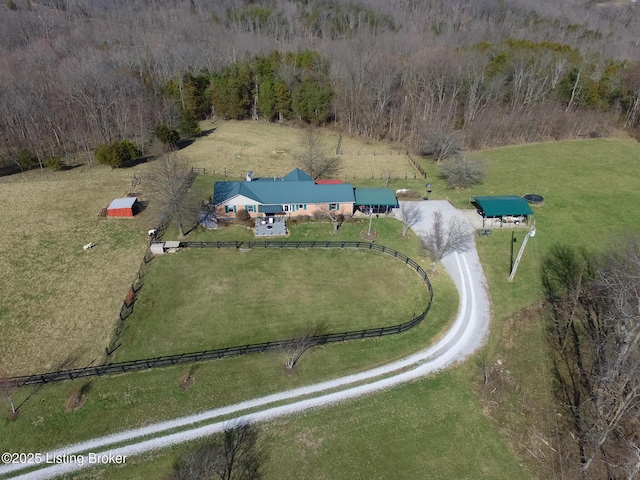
379,200
502,209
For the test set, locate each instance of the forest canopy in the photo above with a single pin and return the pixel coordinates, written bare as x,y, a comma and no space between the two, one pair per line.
79,74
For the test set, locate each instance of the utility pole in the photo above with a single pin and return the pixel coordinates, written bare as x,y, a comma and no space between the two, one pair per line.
531,233
513,240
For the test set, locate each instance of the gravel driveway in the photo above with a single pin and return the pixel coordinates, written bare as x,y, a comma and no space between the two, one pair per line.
466,335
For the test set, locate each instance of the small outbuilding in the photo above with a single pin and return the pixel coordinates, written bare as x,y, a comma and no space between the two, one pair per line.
123,207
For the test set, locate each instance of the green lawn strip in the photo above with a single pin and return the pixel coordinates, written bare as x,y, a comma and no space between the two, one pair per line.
433,428
229,297
137,399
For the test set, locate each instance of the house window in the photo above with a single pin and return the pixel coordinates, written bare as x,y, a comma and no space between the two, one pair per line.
302,207
229,209
249,208
287,208
334,206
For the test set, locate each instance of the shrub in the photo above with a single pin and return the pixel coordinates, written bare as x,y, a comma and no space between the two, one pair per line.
25,159
53,163
242,215
117,154
406,194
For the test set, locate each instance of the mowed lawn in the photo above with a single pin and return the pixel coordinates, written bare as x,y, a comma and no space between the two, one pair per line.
201,299
59,303
268,149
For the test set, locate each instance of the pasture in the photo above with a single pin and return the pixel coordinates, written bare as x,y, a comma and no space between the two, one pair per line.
269,149
59,302
202,299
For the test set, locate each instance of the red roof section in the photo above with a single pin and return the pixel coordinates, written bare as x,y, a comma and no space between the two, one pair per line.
328,182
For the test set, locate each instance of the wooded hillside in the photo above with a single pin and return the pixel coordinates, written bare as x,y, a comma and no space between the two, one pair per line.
76,73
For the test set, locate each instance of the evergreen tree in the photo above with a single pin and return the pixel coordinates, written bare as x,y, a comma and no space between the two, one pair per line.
266,100
117,154
282,100
312,101
188,124
167,135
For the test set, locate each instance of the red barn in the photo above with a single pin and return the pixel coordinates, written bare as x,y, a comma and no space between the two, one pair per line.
122,207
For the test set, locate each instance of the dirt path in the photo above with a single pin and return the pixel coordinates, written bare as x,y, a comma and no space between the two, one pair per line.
467,334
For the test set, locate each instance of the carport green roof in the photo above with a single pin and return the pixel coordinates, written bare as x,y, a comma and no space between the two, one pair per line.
375,197
499,206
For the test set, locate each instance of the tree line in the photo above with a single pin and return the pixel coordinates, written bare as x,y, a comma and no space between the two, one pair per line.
78,74
593,334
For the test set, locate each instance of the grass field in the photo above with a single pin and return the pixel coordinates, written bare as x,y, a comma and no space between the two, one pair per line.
269,149
59,302
229,297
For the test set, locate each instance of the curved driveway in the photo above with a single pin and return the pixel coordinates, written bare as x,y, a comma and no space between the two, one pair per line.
467,334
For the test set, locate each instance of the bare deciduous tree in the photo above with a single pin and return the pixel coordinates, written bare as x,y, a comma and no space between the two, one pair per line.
446,237
237,456
168,181
594,336
410,213
442,143
313,160
463,171
307,338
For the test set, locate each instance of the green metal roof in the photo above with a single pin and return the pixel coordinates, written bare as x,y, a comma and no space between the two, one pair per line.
376,196
499,206
296,175
280,192
270,208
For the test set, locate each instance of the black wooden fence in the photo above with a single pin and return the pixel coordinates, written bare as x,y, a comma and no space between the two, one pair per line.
145,364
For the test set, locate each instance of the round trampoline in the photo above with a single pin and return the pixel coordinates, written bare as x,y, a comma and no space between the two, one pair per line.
534,198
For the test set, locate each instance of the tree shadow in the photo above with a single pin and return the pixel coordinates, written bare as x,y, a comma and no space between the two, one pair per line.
7,170
184,143
138,161
66,168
